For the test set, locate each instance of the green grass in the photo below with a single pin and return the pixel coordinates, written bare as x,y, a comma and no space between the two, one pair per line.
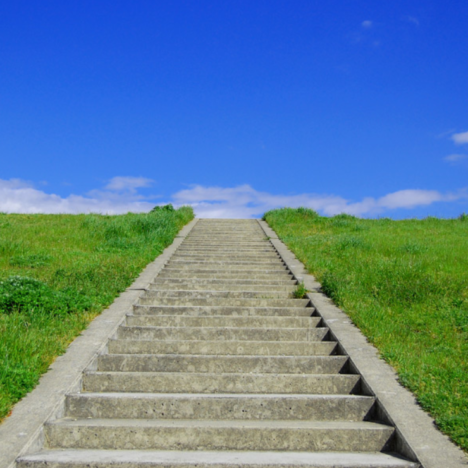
300,291
57,272
405,285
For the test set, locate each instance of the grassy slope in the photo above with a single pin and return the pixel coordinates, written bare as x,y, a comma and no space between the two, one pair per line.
405,285
82,262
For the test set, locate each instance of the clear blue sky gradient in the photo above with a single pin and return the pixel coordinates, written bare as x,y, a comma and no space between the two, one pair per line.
348,98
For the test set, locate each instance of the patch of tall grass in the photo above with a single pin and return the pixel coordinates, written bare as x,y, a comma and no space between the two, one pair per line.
405,285
57,272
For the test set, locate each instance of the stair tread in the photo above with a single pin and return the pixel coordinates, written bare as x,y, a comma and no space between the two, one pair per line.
225,423
167,458
223,396
231,375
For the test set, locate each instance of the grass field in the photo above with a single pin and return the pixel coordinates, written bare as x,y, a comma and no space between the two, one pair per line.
57,272
405,285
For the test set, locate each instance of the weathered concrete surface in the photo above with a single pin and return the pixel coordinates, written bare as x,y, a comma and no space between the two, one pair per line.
219,407
236,348
211,459
175,434
176,382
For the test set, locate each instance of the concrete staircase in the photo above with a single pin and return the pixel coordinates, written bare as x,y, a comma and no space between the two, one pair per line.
219,366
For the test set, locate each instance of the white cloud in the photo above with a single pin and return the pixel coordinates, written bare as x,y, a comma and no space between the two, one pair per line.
454,158
460,138
246,202
18,196
410,199
119,184
367,24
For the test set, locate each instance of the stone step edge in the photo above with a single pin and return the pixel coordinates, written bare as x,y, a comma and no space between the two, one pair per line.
212,459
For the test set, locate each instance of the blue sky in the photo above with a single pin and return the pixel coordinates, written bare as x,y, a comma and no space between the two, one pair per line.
235,107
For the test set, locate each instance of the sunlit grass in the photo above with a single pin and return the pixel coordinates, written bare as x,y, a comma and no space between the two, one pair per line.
57,272
405,285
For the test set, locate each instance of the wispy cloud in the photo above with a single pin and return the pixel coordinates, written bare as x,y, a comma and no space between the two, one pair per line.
455,158
460,138
246,202
411,19
365,34
119,184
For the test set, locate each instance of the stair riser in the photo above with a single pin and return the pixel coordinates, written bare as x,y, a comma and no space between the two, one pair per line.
223,282
229,271
266,254
225,250
149,459
227,311
217,334
255,322
260,263
228,302
266,258
238,408
200,438
223,294
259,289
223,275
227,247
222,364
219,348
216,383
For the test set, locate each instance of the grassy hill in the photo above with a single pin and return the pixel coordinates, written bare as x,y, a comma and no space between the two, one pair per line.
57,272
405,285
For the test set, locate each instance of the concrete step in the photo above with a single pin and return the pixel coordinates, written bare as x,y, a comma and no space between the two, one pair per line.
217,334
222,364
221,321
199,311
226,240
223,301
147,434
214,244
179,382
239,348
224,281
227,259
249,270
262,262
218,407
222,269
222,274
222,254
287,289
197,248
216,294
209,459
